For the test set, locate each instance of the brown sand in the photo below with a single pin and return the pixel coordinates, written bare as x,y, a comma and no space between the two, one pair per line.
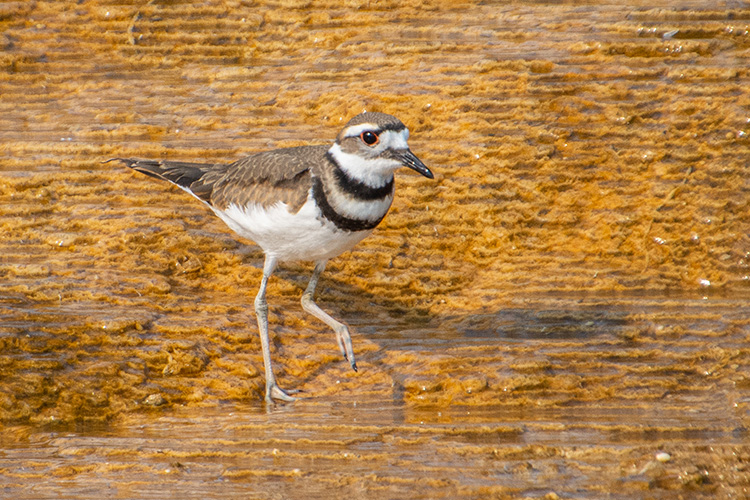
563,312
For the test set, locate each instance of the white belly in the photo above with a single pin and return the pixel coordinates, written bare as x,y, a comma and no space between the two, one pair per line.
305,235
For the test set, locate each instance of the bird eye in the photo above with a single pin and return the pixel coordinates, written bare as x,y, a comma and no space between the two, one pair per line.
369,138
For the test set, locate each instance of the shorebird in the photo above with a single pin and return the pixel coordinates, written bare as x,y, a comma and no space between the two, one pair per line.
308,203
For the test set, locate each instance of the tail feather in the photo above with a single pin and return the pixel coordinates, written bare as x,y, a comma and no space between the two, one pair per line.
186,175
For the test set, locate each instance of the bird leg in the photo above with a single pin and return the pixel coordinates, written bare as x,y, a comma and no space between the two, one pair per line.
342,332
273,391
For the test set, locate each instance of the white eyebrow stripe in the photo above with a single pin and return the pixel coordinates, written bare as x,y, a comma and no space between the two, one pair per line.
355,130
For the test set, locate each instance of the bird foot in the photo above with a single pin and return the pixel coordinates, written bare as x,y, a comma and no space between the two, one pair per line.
274,392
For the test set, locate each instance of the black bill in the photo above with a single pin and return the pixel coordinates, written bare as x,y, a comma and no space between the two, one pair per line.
408,159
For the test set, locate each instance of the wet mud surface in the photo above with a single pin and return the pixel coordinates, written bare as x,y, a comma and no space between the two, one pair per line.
562,313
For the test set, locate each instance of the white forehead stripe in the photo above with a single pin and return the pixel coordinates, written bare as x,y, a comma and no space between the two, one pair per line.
395,140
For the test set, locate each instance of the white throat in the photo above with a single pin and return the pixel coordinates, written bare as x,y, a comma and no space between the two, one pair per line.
374,172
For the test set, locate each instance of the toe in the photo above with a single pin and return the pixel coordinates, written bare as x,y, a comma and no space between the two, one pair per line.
275,392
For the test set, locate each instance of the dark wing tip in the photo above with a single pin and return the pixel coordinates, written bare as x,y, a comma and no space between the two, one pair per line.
133,163
126,161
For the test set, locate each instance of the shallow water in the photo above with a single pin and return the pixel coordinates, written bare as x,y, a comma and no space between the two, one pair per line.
563,311
367,449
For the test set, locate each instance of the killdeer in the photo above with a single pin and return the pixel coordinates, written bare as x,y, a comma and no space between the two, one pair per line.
308,203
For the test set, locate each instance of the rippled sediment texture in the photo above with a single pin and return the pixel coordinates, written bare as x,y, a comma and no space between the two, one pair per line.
562,312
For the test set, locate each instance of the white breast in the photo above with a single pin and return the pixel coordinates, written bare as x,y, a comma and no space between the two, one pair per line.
369,210
305,235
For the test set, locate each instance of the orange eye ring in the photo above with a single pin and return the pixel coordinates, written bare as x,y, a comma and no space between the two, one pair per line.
369,137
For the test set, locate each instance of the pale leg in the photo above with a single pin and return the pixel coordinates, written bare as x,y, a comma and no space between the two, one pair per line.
342,332
273,391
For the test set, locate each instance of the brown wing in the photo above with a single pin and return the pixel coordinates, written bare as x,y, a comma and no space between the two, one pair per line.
263,178
266,178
